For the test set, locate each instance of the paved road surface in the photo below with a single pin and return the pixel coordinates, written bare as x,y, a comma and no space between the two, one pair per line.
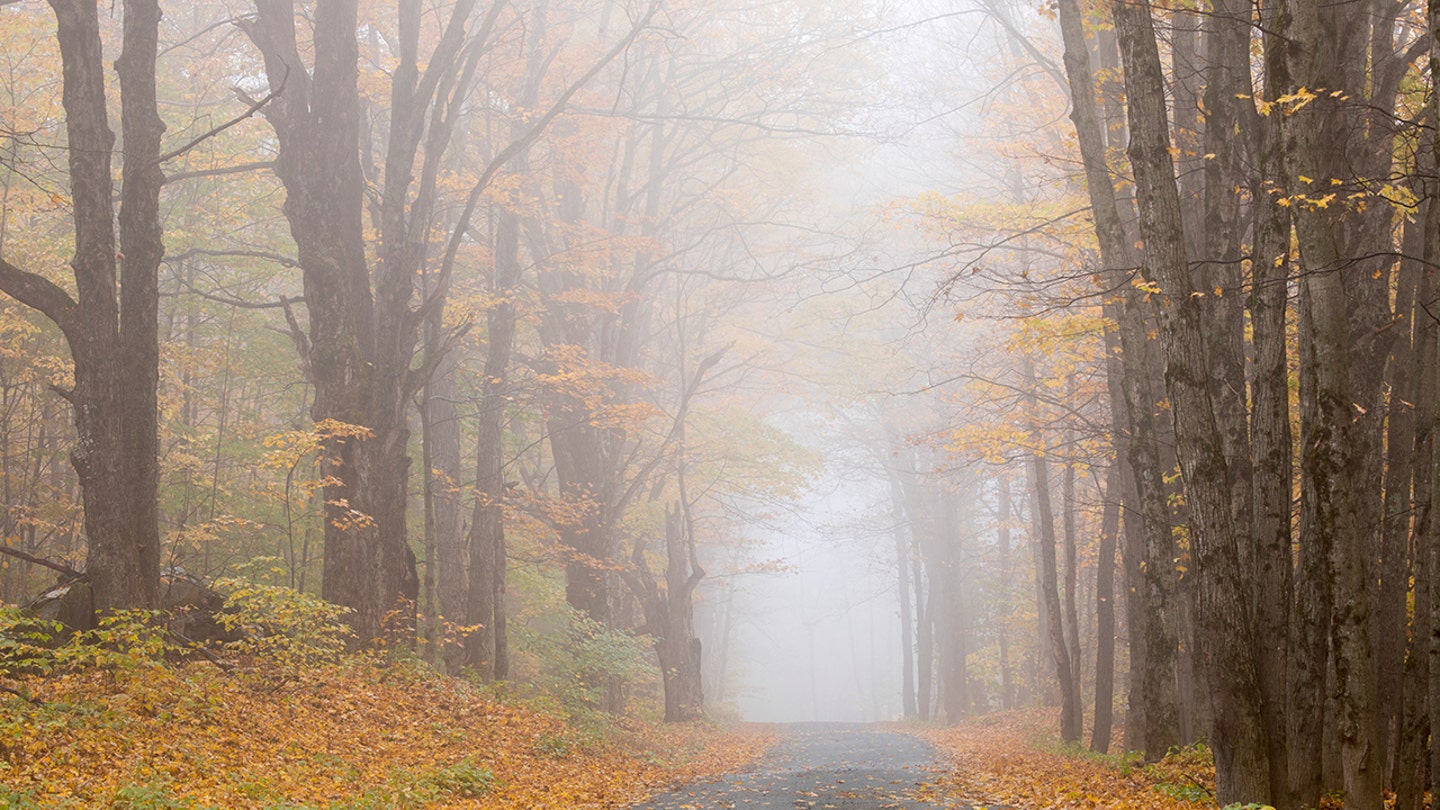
819,766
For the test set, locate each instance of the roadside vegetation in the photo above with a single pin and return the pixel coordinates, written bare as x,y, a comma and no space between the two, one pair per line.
1014,758
125,716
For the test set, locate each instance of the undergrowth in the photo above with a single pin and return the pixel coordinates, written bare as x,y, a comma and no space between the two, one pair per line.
126,717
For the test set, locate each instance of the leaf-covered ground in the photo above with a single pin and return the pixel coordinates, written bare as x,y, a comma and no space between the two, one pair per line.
1011,759
350,737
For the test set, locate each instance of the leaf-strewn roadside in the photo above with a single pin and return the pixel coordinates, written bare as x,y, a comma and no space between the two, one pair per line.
1009,759
348,737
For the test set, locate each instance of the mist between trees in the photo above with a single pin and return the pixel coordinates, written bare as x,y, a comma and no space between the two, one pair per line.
506,324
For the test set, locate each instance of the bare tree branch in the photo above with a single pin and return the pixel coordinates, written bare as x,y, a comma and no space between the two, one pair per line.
237,169
201,138
39,293
42,562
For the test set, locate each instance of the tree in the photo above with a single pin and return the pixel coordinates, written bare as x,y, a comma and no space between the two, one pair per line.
1226,629
111,333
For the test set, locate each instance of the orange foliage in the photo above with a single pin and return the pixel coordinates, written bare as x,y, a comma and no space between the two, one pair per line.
1003,758
245,740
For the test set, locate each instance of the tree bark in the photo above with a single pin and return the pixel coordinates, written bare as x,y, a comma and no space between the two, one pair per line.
1047,582
1154,701
1105,616
114,344
1348,365
1072,575
1227,629
1271,446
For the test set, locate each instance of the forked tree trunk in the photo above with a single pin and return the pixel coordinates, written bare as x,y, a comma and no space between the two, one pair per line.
361,394
114,345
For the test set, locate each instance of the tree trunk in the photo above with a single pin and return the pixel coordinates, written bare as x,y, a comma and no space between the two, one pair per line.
679,649
1105,616
1227,630
1153,698
1414,757
1345,305
1272,447
444,481
1072,574
114,346
902,565
361,394
1048,585
946,575
1002,533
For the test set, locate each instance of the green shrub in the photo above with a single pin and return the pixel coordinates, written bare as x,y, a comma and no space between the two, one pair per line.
122,640
463,780
282,625
11,799
150,796
405,789
576,665
25,646
553,746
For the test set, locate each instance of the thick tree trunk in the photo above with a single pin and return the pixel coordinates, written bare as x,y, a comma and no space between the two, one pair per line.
1227,630
1329,462
1346,304
361,394
1271,447
114,346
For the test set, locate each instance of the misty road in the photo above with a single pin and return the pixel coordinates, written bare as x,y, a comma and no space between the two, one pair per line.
824,765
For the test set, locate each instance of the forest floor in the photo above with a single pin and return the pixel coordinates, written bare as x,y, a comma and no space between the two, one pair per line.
347,737
1013,758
